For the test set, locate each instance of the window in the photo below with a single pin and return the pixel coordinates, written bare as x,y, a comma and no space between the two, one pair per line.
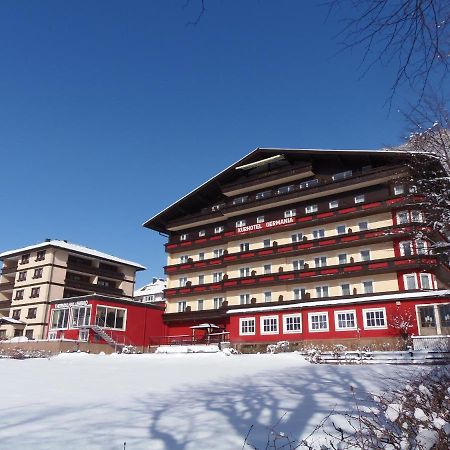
290,213
311,209
219,229
309,183
413,189
240,200
201,256
444,315
218,301
218,252
333,204
246,325
25,258
244,272
292,323
260,219
317,234
16,314
297,237
22,276
427,317
299,293
267,269
266,243
345,320
201,233
181,306
406,248
402,217
182,281
269,325
409,216
263,194
421,247
201,279
217,276
426,281
340,229
200,304
363,226
410,281
365,255
298,264
360,198
342,257
60,318
184,259
19,294
183,237
81,316
244,247
342,175
31,313
106,283
109,317
374,318
244,299
29,334
318,321
267,297
285,189
416,216
321,291
241,223
399,189
40,255
368,287
35,292
215,207
38,273
345,289
320,261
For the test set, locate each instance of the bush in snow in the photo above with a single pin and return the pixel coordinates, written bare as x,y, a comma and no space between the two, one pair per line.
281,346
19,353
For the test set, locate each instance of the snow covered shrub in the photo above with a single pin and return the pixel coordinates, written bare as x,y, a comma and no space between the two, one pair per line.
313,355
128,349
19,353
281,346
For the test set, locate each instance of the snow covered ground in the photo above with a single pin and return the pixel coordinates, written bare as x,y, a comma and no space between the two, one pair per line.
171,402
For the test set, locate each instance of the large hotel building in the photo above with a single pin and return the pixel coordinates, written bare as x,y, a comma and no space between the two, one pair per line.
304,245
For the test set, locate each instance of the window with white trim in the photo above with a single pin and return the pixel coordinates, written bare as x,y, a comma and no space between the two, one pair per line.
299,293
342,258
182,281
201,279
200,305
246,325
183,237
345,289
360,198
426,281
260,219
60,319
410,281
81,316
219,229
368,287
340,229
217,276
363,226
406,248
263,194
244,247
399,189
416,216
269,325
317,234
297,237
298,264
201,256
321,291
290,213
201,233
244,272
309,183
181,306
333,204
218,252
267,269
285,189
311,209
240,200
218,301
320,261
374,318
244,299
318,321
241,223
421,247
345,320
292,323
110,317
266,243
402,217
365,255
267,297
184,259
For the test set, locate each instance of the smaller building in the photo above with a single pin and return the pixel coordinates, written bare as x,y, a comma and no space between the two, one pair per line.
152,292
99,319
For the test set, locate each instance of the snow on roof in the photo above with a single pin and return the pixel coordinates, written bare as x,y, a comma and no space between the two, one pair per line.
11,321
345,301
74,248
157,286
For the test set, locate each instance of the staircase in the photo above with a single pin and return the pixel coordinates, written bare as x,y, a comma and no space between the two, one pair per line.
106,337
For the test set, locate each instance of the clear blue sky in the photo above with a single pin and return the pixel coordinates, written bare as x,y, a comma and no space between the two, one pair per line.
111,110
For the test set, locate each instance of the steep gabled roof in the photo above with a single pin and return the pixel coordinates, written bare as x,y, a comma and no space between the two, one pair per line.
208,192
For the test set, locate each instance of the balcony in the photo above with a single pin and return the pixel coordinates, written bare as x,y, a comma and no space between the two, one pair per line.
8,286
7,270
92,288
94,270
363,268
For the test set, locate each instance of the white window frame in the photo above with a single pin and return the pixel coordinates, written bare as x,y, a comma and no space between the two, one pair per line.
217,277
399,189
182,281
365,227
244,272
360,198
201,302
72,316
183,237
218,252
244,245
405,283
244,299
267,243
322,262
321,291
318,231
267,296
261,324
184,259
345,311
402,250
52,335
267,269
67,313
297,292
247,319
430,280
181,306
219,229
290,213
241,223
374,327
218,302
201,256
202,233
285,327
83,335
117,309
361,255
340,226
349,288
321,330
333,204
342,254
310,209
297,237
300,263
260,219
364,289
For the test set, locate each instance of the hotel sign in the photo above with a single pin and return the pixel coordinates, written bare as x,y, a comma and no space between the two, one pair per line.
265,225
71,304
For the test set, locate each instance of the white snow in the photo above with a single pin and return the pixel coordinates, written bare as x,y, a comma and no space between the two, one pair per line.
172,402
187,349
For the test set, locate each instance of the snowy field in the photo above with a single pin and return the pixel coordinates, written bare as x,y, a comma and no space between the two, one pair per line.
171,402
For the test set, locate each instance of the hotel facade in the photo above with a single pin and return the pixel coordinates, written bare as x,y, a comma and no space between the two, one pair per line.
305,246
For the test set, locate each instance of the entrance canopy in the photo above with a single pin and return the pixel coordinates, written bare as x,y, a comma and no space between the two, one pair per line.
204,326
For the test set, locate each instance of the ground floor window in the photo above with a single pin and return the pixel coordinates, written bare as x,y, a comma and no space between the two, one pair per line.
374,318
269,325
247,325
60,318
318,321
109,317
345,320
292,323
81,316
29,334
